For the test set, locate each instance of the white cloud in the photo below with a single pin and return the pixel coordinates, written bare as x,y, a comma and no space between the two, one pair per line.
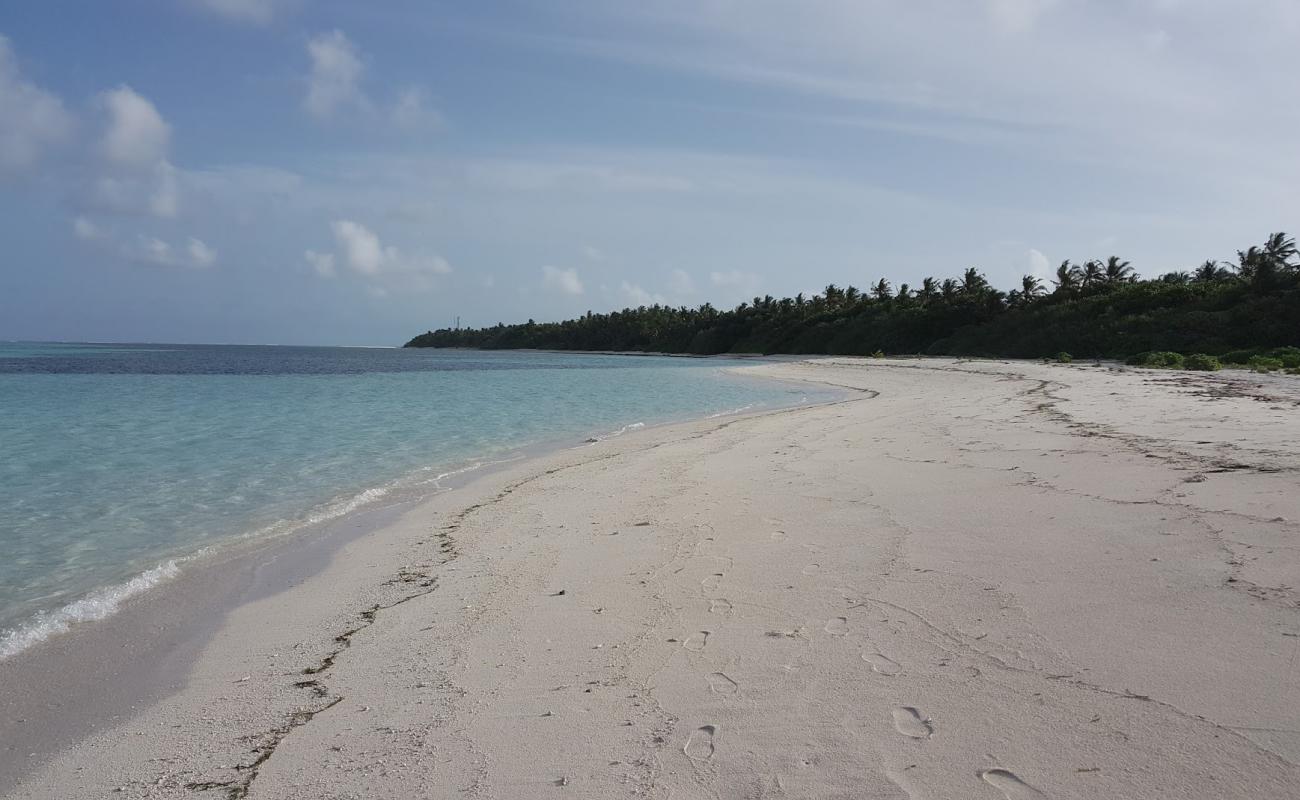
636,296
680,282
32,120
201,255
361,247
334,81
153,250
367,256
323,263
736,285
1039,265
255,12
135,176
410,111
563,280
136,135
593,253
85,230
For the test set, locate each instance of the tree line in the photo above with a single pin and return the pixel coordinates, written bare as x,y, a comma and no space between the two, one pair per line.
1095,309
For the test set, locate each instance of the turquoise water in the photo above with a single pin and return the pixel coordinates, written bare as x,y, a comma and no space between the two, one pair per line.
120,461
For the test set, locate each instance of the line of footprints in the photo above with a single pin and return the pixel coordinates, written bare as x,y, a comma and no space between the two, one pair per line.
908,721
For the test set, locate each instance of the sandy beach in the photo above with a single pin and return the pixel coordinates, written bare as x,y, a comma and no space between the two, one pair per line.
965,580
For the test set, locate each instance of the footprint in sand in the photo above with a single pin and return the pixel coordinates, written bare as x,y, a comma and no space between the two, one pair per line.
909,722
710,583
699,745
721,684
778,536
812,569
720,605
882,664
696,641
1011,786
837,626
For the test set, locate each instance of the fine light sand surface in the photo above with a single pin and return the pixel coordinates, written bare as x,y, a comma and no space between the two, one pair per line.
968,580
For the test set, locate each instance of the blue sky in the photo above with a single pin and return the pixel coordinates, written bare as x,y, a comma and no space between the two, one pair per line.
309,171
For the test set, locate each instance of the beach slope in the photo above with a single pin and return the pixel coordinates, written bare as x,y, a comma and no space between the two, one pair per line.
967,579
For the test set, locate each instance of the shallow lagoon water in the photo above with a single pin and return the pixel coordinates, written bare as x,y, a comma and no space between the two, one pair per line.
121,461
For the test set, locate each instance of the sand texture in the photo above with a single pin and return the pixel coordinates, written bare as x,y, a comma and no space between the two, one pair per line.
967,580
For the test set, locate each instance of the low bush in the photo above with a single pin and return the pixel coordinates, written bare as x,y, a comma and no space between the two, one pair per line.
1202,363
1265,364
1064,357
1289,356
1162,359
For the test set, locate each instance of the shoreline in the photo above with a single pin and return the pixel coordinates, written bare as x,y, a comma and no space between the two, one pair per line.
458,612
154,635
104,601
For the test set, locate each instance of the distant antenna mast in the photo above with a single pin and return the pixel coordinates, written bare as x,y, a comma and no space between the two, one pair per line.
458,322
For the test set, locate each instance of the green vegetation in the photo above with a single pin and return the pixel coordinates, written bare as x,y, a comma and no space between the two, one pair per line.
1265,364
1064,357
1202,363
1160,360
1098,310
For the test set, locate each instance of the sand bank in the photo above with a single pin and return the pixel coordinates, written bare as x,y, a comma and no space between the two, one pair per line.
969,580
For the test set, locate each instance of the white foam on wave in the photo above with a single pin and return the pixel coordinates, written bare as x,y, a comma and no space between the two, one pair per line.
630,427
740,410
95,606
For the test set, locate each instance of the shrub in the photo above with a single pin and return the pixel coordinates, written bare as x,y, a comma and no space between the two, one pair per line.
878,354
1064,357
1239,356
1265,364
1163,359
1202,363
1289,356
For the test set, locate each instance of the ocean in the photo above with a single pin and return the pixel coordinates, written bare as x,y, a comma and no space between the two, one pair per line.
119,463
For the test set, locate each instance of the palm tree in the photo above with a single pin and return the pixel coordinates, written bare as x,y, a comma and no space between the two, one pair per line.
948,289
881,290
1177,278
904,294
1068,278
1092,274
852,295
973,283
928,290
1031,288
833,296
1118,271
1211,271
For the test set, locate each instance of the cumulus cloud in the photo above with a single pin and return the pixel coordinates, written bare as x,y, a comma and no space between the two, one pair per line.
411,111
361,247
200,254
1039,265
32,120
636,296
323,263
680,282
335,77
135,176
334,84
362,252
136,134
85,230
562,280
146,249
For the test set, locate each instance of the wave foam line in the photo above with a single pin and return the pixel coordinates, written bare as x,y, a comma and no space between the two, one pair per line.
95,606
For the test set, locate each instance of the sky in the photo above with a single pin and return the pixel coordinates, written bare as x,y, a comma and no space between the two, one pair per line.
334,172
